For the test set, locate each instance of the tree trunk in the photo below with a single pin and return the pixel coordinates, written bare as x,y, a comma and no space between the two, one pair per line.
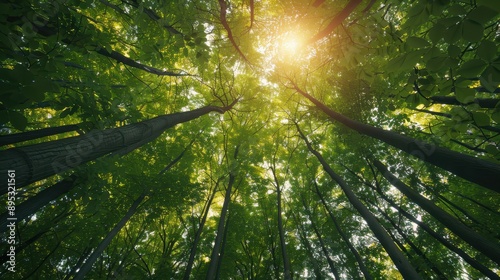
214,258
466,257
36,162
33,204
333,269
35,134
192,251
476,170
412,245
482,244
87,266
353,250
452,100
336,21
284,253
404,267
307,245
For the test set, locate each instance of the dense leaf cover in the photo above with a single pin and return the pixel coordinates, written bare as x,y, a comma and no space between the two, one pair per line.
321,139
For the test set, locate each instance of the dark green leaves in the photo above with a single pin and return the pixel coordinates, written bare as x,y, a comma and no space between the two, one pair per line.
472,68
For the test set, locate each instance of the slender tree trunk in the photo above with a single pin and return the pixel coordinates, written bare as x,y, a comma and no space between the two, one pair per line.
192,251
466,257
33,204
214,258
476,170
452,100
412,245
482,244
87,266
353,250
403,265
223,246
449,116
333,269
309,249
284,253
336,21
225,24
35,134
36,162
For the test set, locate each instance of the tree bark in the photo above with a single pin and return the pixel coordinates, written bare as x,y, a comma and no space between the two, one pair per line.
35,134
87,266
192,251
33,204
284,253
214,258
403,265
336,21
473,169
324,249
353,250
39,161
466,257
452,100
482,244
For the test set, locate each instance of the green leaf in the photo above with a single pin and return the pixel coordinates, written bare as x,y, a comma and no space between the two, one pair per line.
472,68
472,31
482,14
465,95
491,4
436,32
491,149
437,63
496,116
481,119
405,61
487,50
417,42
18,120
453,33
456,10
454,51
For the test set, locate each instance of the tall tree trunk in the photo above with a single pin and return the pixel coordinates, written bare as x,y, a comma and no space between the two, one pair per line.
409,242
466,257
284,253
403,265
333,269
36,162
214,258
33,204
353,250
223,247
482,244
35,134
87,266
309,249
476,170
452,100
192,251
336,21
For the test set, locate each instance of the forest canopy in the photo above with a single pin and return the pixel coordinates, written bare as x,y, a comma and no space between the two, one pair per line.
228,139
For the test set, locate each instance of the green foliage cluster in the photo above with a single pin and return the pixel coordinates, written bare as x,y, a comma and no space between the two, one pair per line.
426,69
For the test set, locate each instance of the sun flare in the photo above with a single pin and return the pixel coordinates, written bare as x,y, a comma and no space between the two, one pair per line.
290,44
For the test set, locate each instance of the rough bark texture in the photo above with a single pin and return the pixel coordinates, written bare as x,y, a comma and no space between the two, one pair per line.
35,134
473,169
482,244
36,162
